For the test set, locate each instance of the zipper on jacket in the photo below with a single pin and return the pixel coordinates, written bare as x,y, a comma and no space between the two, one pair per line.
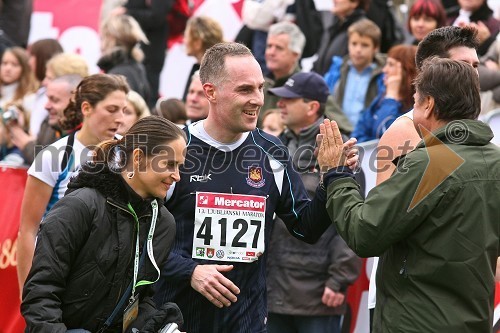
404,271
132,248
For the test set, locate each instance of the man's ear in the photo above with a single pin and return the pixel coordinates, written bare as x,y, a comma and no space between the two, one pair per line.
210,92
429,108
312,108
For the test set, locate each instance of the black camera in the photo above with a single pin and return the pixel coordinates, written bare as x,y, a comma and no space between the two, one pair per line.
9,115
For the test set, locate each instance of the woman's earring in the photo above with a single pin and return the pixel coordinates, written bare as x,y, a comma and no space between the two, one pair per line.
130,175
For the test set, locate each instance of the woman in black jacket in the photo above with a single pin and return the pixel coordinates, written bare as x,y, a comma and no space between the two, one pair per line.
100,247
121,53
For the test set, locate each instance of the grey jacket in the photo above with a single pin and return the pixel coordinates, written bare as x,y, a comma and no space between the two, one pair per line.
298,272
46,136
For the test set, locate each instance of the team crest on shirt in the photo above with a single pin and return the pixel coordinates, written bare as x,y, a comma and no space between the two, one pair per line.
255,178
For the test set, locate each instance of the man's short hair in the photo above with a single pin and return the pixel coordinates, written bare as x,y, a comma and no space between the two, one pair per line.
439,41
72,80
368,28
296,39
213,64
454,85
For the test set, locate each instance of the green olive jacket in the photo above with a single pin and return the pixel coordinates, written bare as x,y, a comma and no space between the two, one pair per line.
435,225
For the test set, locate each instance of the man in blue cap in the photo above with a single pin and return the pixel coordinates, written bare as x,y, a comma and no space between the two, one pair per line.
306,298
302,104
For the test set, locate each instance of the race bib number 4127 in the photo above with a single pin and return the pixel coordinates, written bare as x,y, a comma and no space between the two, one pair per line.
229,227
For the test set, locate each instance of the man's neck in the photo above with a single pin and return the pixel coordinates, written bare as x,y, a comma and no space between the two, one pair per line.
219,133
281,74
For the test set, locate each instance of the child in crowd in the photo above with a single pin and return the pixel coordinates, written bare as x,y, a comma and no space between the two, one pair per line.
397,97
272,122
356,79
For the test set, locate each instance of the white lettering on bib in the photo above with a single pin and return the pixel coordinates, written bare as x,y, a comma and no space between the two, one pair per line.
229,227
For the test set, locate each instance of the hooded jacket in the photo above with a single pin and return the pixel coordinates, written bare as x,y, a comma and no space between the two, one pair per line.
435,225
118,61
85,251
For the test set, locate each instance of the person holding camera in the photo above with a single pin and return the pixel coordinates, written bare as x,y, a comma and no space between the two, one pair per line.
17,87
58,94
10,154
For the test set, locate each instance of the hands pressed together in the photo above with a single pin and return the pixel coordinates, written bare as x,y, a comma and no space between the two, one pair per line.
333,151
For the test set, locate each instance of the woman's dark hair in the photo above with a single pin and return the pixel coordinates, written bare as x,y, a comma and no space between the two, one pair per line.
405,54
150,134
43,50
172,109
429,8
93,89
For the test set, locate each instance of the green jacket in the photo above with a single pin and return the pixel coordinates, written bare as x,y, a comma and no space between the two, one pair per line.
437,258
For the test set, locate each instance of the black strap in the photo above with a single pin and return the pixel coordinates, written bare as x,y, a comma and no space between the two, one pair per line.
68,151
124,297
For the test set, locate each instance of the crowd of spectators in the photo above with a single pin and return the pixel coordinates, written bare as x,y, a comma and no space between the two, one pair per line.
368,84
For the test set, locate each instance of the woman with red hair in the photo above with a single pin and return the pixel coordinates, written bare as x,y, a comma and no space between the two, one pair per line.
397,97
424,16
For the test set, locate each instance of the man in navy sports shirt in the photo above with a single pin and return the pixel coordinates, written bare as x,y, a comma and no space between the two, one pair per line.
234,180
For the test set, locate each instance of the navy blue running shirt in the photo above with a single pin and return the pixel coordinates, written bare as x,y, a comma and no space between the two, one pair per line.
248,181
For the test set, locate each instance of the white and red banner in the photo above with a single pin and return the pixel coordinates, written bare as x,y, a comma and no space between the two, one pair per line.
11,195
76,25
